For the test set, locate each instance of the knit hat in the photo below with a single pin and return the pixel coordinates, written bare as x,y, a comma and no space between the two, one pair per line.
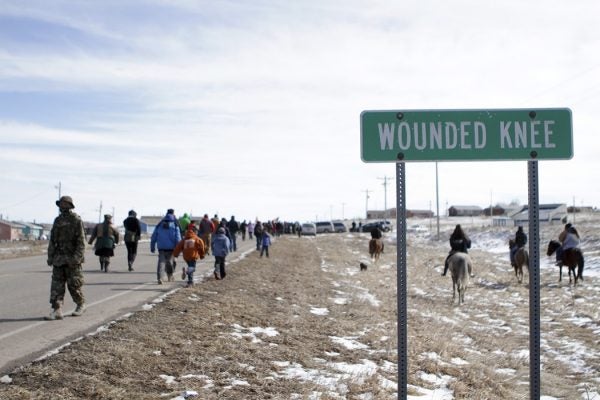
221,230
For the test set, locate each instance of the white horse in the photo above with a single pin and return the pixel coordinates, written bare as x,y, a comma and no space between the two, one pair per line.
461,268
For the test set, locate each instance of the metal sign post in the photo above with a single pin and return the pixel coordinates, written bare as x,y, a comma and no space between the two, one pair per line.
401,279
534,281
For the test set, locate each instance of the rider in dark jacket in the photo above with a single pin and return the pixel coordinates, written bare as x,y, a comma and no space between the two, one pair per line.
377,234
459,242
520,241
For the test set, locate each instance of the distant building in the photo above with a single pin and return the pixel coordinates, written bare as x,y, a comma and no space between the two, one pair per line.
31,231
10,230
548,213
419,214
496,210
581,209
465,211
390,213
149,222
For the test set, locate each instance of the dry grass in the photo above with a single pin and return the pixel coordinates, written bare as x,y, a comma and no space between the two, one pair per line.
202,336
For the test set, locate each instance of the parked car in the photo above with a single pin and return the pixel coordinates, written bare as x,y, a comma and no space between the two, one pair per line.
309,229
384,226
339,227
417,229
324,227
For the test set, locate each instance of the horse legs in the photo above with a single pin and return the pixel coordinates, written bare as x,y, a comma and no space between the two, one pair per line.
454,292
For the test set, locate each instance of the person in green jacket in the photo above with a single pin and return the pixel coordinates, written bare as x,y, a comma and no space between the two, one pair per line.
66,249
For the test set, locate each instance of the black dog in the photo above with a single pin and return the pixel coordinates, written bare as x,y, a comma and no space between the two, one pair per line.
363,266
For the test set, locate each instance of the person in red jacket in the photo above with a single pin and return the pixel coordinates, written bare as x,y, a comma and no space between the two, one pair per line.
193,249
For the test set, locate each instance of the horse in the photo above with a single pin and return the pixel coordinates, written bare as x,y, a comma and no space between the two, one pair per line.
375,249
521,258
461,267
571,258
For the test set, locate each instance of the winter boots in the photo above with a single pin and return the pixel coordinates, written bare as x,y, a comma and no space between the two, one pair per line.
79,310
54,315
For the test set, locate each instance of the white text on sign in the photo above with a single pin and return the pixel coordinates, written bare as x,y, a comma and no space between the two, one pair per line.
464,135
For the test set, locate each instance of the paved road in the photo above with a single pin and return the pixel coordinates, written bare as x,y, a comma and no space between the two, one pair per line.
25,290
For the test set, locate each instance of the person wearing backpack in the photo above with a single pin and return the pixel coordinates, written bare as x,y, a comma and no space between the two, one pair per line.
165,237
107,238
258,230
234,227
193,249
133,232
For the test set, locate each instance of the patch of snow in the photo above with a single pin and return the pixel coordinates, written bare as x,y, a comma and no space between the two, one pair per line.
168,379
319,311
349,342
506,371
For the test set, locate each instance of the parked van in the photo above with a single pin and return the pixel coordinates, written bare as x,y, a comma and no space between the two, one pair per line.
324,227
339,227
309,229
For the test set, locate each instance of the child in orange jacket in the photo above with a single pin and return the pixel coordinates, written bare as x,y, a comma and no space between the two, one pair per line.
193,249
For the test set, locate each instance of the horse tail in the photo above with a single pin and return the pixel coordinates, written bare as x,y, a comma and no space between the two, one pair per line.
580,264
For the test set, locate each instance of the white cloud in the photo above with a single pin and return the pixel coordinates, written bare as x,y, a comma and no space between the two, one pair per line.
254,108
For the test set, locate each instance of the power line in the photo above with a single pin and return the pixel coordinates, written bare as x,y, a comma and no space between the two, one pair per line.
26,200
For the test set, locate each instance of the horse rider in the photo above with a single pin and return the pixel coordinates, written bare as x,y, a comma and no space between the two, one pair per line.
459,242
520,241
376,233
569,239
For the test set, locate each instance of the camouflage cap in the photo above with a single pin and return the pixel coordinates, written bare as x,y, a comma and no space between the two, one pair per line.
66,199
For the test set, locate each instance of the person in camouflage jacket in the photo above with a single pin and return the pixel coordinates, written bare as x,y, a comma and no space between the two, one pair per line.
66,249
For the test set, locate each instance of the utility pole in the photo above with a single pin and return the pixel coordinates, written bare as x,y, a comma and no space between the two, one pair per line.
343,205
385,180
100,212
59,189
366,202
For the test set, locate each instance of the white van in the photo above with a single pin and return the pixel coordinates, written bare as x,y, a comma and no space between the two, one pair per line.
309,229
325,227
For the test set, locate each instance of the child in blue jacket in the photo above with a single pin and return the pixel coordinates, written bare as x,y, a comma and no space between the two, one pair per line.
266,242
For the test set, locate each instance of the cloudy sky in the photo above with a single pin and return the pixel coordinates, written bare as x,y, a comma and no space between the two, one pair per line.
252,108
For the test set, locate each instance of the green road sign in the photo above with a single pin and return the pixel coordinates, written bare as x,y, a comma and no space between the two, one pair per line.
466,135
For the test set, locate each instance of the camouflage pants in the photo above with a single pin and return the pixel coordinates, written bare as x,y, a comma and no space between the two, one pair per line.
71,276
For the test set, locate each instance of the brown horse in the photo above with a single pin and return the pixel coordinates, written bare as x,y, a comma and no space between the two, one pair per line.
571,258
521,258
375,249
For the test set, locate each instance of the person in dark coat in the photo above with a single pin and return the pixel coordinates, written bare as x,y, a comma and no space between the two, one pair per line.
520,241
106,237
133,232
459,242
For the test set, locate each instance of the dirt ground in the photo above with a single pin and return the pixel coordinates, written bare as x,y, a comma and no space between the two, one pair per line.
306,323
24,248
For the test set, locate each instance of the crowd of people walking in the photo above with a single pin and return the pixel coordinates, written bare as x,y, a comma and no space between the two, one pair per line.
194,239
